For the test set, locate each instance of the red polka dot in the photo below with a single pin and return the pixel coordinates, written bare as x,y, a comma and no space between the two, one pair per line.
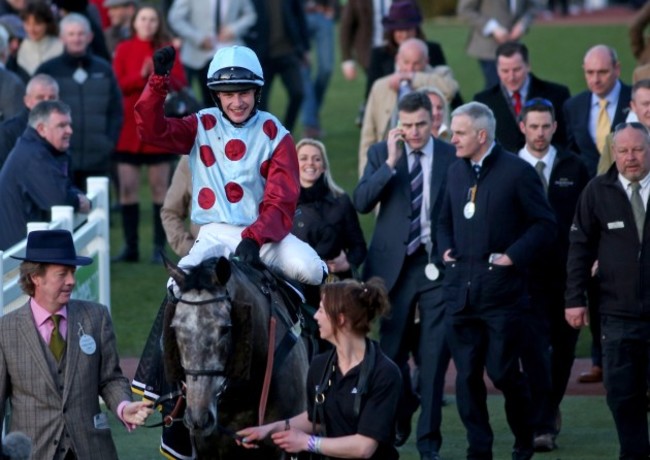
208,121
234,192
207,155
270,129
206,198
235,149
264,168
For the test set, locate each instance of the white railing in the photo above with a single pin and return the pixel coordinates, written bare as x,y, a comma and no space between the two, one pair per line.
91,238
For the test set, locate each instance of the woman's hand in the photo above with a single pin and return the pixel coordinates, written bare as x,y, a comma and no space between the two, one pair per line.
338,264
251,435
291,441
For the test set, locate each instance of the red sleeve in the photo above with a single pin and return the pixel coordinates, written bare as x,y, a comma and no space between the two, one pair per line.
172,134
280,196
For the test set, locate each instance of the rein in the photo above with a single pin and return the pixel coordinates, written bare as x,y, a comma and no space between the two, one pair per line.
219,298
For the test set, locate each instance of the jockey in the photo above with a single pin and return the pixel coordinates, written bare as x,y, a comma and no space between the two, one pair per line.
243,163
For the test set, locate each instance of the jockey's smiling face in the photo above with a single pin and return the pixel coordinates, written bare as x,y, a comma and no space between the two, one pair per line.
237,105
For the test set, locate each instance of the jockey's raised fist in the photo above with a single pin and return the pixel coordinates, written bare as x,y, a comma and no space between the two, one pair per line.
249,251
163,60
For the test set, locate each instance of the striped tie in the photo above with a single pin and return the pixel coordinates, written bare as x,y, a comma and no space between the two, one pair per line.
637,208
417,180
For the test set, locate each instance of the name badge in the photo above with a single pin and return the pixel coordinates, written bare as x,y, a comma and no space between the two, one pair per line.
100,421
615,225
86,342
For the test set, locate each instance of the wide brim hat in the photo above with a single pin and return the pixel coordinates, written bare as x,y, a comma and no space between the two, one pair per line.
402,15
14,26
52,247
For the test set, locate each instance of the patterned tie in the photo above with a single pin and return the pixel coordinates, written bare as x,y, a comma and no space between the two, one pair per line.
477,170
57,344
516,102
637,208
417,180
540,166
603,125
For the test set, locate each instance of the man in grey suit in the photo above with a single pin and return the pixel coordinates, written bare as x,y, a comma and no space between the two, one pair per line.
57,356
406,176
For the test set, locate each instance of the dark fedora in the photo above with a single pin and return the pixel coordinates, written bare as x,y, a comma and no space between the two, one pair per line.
52,247
403,14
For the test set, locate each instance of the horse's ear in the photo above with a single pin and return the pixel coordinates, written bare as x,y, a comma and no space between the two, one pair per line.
176,273
222,270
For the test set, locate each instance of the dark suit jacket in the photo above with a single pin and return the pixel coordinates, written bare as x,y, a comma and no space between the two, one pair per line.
576,115
392,192
569,177
355,31
508,133
42,410
295,28
512,217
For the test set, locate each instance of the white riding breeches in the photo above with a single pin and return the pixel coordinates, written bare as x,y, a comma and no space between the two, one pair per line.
294,258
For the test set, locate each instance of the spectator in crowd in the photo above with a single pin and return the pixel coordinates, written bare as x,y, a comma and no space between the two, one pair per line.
177,208
52,379
281,40
82,7
325,218
40,87
42,41
590,116
491,24
489,233
638,37
11,87
548,355
320,15
14,27
204,30
88,85
411,72
639,111
439,113
133,64
611,226
352,390
12,6
402,22
405,175
120,14
35,176
516,86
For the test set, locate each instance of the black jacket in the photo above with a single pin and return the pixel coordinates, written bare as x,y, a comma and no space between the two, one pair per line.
508,133
568,178
329,224
34,178
512,217
10,131
604,229
96,106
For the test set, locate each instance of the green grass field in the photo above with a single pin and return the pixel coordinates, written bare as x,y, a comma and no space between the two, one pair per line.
556,54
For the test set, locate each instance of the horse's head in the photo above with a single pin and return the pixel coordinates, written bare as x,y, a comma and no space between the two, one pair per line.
202,326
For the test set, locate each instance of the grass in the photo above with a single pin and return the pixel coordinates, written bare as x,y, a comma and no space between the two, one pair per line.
556,54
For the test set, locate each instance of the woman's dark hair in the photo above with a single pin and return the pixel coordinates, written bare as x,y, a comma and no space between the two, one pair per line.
359,303
392,46
41,12
162,36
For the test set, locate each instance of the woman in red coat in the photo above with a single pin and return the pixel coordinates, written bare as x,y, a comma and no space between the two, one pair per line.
132,65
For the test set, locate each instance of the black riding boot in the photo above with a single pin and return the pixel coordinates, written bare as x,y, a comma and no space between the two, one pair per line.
130,222
159,237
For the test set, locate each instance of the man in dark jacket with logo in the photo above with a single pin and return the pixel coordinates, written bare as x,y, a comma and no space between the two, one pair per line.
88,85
610,226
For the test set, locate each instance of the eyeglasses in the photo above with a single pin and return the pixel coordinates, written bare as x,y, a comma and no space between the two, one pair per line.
630,124
538,101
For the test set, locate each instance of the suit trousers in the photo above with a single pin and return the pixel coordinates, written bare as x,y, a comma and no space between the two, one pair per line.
626,357
289,67
412,289
491,340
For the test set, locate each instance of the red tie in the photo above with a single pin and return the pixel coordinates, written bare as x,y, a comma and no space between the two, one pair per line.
517,98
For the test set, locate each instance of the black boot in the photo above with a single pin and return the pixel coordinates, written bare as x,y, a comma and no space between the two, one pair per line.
130,222
159,237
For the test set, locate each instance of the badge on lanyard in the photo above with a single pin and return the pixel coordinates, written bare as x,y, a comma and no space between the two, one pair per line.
430,270
86,342
470,206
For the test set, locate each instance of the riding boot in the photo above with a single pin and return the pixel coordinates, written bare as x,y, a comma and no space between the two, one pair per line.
159,237
130,222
